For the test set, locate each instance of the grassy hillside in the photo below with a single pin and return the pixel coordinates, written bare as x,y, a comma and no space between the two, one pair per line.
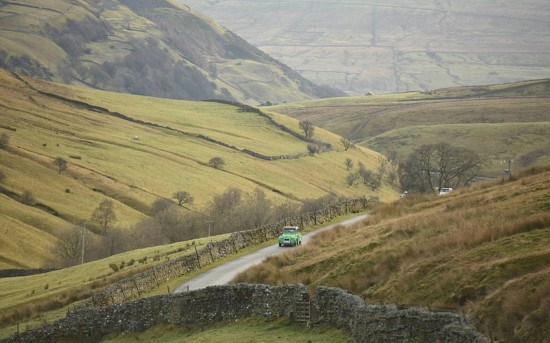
483,250
155,48
365,46
499,122
134,150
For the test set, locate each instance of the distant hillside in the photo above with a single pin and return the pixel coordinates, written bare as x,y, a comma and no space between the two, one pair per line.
482,251
134,150
363,46
156,48
499,122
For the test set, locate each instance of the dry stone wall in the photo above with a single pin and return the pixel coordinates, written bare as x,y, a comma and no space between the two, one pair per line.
388,323
132,287
224,304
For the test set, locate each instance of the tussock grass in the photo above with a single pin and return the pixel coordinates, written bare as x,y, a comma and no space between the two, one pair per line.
476,250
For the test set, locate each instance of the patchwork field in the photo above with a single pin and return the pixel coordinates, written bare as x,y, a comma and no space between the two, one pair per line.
395,46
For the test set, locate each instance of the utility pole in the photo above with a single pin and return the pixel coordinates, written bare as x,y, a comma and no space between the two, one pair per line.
209,222
509,170
83,243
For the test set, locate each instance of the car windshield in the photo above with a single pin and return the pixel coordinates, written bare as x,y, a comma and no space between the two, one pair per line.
289,230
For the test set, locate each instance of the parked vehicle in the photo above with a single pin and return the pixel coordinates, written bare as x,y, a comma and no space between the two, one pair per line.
290,236
444,191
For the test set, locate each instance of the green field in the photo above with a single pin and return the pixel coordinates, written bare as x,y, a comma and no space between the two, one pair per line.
499,122
248,330
136,150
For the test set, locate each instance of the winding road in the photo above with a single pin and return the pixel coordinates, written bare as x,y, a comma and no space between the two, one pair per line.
226,272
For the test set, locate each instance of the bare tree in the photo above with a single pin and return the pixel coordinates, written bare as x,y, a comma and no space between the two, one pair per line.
349,164
257,210
307,127
4,141
216,162
27,198
347,144
383,163
104,215
433,166
351,178
114,242
313,149
183,197
160,205
69,246
364,173
61,164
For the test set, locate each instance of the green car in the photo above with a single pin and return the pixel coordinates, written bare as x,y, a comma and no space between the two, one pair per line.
290,236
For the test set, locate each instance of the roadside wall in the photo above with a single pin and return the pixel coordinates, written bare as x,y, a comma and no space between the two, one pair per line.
388,323
132,287
223,304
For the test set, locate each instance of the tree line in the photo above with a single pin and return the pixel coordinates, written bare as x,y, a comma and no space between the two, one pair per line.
169,221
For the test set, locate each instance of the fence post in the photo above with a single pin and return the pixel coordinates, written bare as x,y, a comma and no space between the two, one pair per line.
198,258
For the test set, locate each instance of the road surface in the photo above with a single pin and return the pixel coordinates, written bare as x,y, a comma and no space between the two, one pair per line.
226,272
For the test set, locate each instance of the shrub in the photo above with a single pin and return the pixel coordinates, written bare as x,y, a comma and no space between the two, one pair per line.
216,162
27,198
4,141
313,149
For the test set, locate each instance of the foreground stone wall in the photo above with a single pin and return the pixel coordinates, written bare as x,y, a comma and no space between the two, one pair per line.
388,323
224,304
132,287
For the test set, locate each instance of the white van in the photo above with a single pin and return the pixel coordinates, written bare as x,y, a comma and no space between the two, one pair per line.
445,190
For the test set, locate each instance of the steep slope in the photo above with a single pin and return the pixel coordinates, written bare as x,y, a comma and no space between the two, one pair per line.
134,150
363,46
499,122
483,251
156,48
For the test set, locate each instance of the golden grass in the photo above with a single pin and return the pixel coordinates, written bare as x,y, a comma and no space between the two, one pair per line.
459,251
133,165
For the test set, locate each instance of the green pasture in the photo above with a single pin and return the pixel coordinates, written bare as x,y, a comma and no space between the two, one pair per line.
499,142
61,283
499,122
247,330
132,164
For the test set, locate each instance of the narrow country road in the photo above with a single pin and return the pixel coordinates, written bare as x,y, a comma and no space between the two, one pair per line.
226,272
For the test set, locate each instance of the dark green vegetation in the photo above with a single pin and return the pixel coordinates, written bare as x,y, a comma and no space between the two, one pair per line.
249,330
500,122
132,154
363,46
483,250
155,48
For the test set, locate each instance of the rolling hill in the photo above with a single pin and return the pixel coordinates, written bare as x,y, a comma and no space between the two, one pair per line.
155,48
133,150
499,122
364,46
483,251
